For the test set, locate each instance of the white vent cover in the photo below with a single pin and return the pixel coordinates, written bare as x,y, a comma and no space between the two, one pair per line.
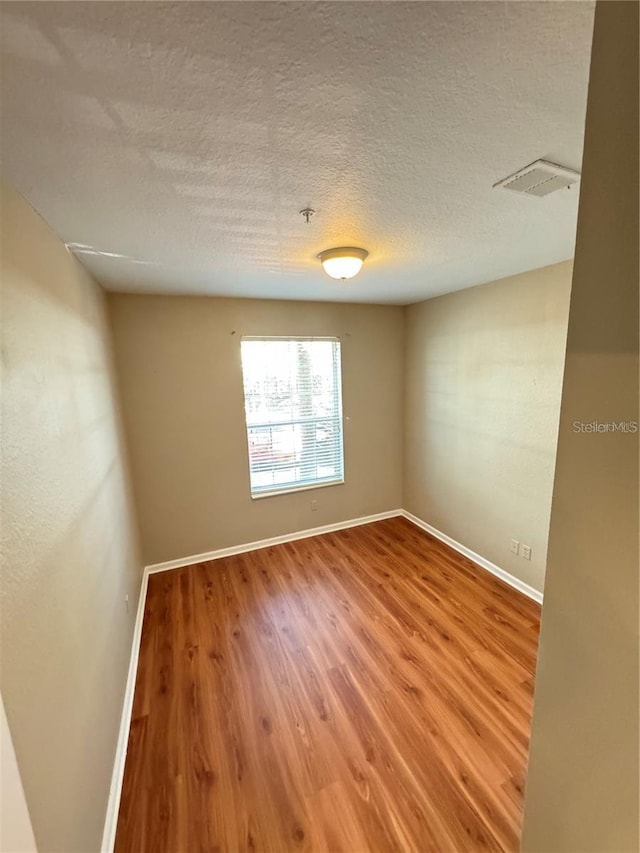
539,179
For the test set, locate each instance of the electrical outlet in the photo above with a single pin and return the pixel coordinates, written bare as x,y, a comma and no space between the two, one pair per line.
314,505
514,546
525,551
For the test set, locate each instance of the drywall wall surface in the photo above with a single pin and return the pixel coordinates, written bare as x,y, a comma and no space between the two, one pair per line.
181,378
483,382
582,786
69,541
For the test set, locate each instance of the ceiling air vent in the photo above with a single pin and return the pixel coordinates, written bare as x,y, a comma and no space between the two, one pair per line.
539,179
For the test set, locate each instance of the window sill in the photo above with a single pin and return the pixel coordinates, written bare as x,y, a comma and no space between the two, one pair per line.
290,489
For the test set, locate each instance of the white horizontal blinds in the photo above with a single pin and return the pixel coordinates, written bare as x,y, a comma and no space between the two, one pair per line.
293,406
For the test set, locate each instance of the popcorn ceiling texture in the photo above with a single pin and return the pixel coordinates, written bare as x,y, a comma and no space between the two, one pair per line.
188,136
69,542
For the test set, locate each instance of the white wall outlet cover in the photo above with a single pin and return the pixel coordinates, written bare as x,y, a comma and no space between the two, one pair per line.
513,547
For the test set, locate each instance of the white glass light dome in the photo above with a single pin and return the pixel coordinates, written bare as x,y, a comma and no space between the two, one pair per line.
344,262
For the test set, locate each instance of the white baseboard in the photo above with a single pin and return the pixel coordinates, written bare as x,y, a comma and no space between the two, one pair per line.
275,540
115,791
113,806
505,576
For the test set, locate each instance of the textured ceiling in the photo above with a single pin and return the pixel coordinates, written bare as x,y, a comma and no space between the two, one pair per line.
187,136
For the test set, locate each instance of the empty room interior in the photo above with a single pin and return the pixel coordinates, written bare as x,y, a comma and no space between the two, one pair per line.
319,446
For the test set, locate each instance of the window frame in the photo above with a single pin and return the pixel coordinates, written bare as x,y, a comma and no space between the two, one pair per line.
306,486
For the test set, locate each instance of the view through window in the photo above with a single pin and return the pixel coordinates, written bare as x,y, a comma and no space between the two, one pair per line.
293,406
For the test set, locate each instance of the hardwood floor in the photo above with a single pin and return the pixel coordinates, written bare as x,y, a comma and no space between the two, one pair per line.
363,690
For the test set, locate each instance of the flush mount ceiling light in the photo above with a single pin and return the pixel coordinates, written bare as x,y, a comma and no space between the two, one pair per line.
343,263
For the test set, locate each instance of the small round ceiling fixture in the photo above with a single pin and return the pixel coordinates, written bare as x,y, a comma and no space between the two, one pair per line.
343,263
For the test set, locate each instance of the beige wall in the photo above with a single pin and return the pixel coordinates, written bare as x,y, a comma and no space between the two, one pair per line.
16,832
180,374
483,381
582,787
69,552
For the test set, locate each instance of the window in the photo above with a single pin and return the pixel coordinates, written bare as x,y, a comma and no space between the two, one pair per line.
293,407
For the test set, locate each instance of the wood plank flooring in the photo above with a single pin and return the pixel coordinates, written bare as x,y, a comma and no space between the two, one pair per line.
365,690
